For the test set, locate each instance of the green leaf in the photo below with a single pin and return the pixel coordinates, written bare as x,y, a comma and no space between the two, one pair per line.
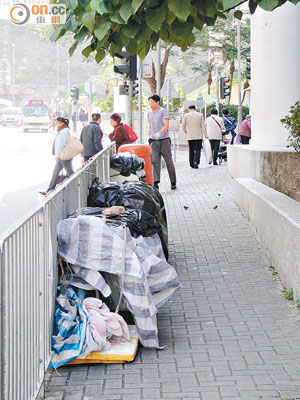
102,30
208,8
73,48
116,18
170,17
81,34
180,8
143,37
142,53
115,48
88,20
228,4
102,7
126,10
71,24
58,33
252,6
180,31
125,39
238,14
130,30
132,47
136,5
87,51
154,19
198,20
100,54
268,5
73,4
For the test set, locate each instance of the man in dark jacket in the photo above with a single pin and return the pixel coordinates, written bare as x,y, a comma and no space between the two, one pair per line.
91,137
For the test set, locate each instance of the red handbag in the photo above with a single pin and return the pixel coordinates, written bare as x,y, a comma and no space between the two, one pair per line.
132,135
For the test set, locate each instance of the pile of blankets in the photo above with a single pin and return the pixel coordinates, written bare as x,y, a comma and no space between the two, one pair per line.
83,325
91,246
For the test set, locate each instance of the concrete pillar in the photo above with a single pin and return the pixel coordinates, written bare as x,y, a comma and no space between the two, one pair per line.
275,77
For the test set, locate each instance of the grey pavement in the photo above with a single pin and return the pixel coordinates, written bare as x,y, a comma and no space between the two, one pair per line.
229,331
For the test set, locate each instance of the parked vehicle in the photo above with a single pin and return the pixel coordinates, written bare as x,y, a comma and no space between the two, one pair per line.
12,116
36,116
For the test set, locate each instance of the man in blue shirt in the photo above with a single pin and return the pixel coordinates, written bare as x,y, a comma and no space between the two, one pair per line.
160,141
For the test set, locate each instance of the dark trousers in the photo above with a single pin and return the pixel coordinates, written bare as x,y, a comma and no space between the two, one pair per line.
162,148
245,139
194,152
215,144
59,165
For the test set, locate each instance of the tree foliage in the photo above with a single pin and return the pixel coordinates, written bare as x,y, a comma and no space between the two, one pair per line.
108,25
292,123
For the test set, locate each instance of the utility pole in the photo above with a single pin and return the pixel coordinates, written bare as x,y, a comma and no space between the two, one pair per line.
158,67
128,113
141,101
13,74
68,64
240,113
168,94
217,89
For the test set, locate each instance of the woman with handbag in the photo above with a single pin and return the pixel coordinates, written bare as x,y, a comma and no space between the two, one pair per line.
119,134
60,143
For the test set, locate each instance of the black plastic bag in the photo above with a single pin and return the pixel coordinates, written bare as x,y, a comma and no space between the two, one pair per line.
139,222
126,163
134,195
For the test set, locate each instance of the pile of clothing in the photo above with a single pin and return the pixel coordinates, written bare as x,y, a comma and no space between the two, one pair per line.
117,246
83,325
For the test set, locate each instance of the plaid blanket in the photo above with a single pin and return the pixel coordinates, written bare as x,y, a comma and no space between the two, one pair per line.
91,246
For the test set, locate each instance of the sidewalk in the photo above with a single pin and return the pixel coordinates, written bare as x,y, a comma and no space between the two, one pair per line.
229,331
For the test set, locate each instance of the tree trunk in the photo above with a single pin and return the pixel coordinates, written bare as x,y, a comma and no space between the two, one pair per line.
245,86
232,69
209,81
163,68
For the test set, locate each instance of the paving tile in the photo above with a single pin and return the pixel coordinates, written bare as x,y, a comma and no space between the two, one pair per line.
230,334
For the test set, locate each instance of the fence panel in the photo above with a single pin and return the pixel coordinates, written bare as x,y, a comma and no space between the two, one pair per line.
28,280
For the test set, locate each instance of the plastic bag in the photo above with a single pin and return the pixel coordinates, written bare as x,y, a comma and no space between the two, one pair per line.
139,222
127,163
133,195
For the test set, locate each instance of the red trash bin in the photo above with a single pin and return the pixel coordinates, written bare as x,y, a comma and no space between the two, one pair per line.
144,151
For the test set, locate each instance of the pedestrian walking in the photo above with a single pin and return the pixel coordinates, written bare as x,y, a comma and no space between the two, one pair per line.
215,130
230,124
91,137
119,134
245,130
160,141
193,125
60,142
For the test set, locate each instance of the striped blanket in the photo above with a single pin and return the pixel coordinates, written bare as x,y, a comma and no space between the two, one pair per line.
91,246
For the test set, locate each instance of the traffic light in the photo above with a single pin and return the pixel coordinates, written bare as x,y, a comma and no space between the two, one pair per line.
135,89
128,66
124,90
224,87
248,67
74,93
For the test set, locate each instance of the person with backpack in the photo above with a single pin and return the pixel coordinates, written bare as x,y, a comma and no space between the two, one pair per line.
215,131
119,134
230,123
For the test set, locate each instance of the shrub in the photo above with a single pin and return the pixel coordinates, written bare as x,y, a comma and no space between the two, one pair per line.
292,123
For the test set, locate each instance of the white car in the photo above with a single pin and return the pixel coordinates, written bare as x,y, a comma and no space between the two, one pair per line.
12,116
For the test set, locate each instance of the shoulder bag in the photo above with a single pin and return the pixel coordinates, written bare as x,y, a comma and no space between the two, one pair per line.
72,149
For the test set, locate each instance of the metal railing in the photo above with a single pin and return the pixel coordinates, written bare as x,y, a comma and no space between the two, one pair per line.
28,280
